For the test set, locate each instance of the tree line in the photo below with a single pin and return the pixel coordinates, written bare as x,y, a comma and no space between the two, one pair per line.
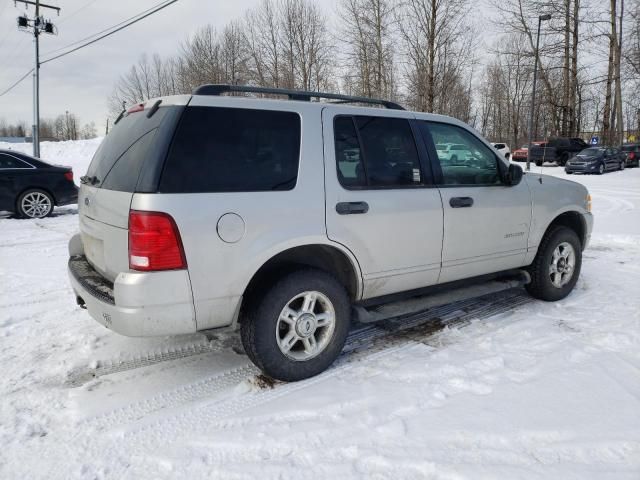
428,55
65,126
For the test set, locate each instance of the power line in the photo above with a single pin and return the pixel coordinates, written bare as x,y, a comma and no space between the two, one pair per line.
16,83
75,12
122,25
110,33
158,6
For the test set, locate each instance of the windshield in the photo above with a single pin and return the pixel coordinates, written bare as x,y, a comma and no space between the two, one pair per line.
590,152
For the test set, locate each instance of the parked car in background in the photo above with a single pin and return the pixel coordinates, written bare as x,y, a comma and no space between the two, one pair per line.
596,160
557,150
30,188
632,154
454,153
520,154
503,148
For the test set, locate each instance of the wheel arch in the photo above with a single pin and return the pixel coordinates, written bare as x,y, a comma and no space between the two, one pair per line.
34,187
573,220
328,258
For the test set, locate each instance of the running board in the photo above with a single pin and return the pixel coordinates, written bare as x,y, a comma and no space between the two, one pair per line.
418,304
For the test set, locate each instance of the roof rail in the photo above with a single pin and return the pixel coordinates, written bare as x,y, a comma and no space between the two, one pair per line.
219,89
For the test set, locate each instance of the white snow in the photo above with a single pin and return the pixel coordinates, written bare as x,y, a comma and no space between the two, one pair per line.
543,390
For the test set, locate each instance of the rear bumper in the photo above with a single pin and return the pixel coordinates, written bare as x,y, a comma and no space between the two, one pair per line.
137,304
67,196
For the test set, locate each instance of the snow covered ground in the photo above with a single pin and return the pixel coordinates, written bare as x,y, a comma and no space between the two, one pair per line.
506,388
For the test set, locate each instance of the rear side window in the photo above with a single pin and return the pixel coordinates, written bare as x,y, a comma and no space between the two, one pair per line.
123,176
9,161
376,152
233,150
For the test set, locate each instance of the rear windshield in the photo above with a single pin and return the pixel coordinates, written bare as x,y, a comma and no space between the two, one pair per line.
233,150
116,164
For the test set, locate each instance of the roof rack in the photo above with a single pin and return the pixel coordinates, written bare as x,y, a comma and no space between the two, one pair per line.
219,89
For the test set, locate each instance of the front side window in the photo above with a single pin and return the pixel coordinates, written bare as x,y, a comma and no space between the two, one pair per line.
219,149
467,161
9,161
376,152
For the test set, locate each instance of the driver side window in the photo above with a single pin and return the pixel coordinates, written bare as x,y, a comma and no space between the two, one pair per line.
463,158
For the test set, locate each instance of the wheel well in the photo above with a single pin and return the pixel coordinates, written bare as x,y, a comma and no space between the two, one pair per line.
572,220
322,257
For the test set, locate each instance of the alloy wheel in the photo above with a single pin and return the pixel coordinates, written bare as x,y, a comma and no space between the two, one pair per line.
305,325
36,205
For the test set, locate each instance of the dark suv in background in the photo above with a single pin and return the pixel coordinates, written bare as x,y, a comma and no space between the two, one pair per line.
632,154
557,150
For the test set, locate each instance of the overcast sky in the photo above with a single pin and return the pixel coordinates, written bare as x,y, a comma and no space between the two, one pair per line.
80,82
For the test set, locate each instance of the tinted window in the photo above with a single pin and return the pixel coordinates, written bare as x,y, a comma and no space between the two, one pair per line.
381,154
123,176
630,148
124,134
348,153
500,145
233,150
470,163
9,161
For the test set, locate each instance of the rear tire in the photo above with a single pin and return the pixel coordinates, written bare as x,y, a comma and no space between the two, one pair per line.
621,166
538,163
601,169
34,203
298,327
556,268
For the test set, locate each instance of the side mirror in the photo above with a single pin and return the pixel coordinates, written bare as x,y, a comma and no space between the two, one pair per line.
514,174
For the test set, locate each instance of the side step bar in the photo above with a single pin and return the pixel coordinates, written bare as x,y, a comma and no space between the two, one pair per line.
418,304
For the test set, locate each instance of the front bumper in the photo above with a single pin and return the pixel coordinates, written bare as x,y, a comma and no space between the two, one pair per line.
583,168
588,219
137,304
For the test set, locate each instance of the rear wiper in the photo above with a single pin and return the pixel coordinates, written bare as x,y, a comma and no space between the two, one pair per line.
85,179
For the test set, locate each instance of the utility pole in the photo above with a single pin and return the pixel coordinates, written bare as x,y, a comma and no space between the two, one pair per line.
39,25
541,18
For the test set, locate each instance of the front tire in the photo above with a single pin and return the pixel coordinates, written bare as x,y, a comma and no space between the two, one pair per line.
556,268
34,203
298,327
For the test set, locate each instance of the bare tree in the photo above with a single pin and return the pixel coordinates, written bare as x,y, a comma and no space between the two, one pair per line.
438,52
367,35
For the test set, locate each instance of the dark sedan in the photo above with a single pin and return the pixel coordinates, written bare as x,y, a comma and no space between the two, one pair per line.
30,188
596,160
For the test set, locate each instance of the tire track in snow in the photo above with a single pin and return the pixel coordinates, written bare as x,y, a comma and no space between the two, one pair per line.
362,345
139,429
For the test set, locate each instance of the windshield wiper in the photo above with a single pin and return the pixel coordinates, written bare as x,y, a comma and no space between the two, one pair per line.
86,179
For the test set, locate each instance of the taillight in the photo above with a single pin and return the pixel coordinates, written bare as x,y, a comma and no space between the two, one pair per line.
632,155
154,242
136,108
69,175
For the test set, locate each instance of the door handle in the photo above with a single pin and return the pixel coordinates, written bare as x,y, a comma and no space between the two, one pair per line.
461,202
350,208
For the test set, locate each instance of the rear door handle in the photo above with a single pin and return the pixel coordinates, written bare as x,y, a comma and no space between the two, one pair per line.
350,208
461,202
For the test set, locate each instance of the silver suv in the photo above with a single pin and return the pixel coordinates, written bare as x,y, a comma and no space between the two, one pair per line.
285,217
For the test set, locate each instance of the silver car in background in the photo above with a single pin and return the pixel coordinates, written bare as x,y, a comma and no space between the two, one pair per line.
284,217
